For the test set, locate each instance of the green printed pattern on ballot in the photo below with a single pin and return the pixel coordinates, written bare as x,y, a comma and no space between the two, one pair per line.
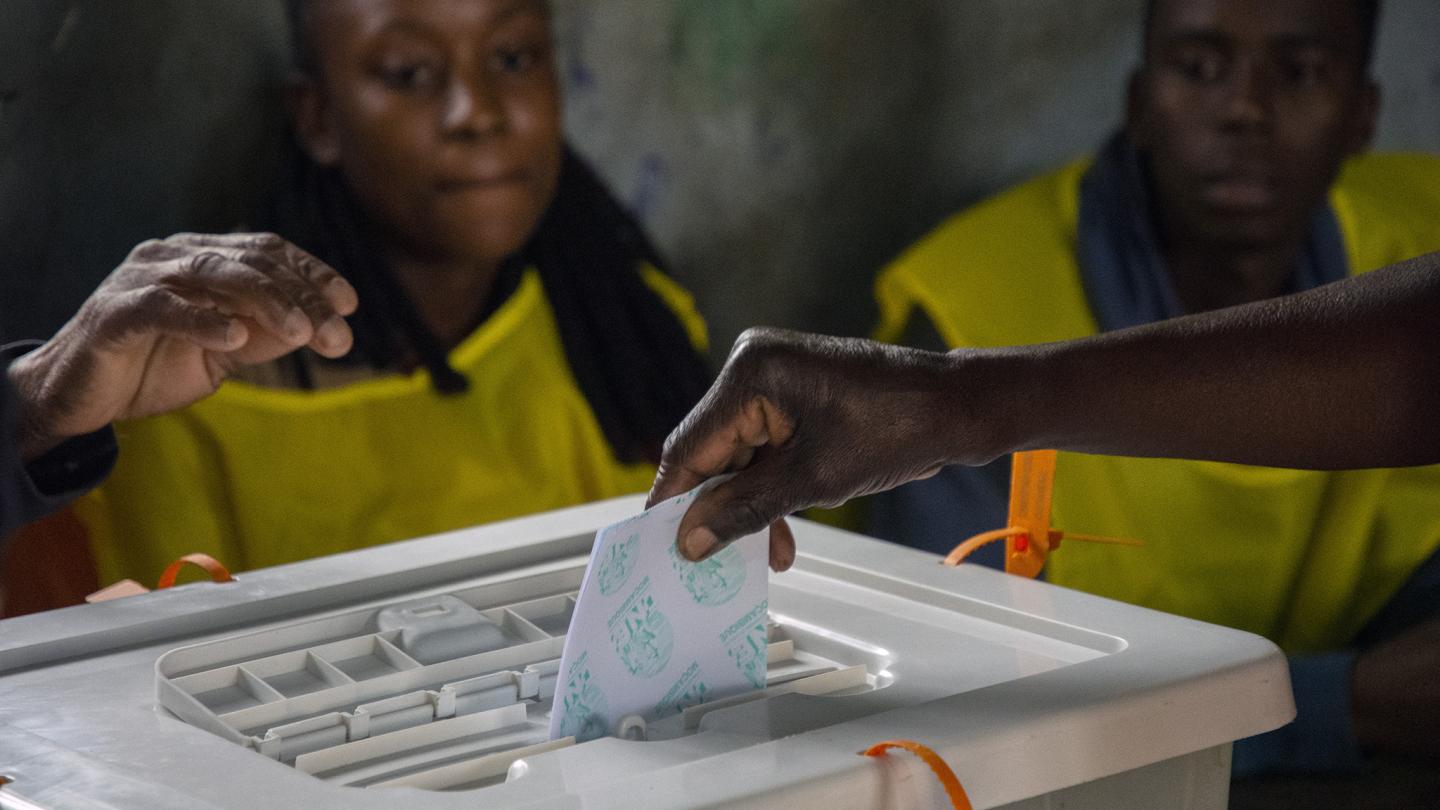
713,581
617,563
640,633
747,643
584,704
689,690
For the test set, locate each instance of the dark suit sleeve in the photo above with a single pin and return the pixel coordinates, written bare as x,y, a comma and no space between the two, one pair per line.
30,491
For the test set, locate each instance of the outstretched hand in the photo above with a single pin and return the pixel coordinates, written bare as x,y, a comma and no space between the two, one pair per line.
170,324
806,420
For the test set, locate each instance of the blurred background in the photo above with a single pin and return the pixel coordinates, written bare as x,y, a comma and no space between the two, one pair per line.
779,151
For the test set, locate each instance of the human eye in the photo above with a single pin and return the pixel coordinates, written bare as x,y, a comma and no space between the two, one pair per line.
1200,64
410,75
514,60
518,58
1304,69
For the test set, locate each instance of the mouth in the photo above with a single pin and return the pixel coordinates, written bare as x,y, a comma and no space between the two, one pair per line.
462,183
1242,192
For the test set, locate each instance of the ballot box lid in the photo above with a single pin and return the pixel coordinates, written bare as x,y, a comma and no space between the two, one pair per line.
423,674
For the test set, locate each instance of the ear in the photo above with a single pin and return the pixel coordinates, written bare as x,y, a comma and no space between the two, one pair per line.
312,118
1364,118
1135,109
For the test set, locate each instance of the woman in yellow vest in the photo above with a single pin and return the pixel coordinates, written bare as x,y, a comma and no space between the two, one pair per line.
1222,189
517,347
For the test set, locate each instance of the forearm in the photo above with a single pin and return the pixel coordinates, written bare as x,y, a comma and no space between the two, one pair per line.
1344,376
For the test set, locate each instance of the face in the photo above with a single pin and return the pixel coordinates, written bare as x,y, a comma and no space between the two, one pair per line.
1246,110
442,115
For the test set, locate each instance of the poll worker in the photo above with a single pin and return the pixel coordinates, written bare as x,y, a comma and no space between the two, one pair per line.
1344,376
1240,173
519,347
176,318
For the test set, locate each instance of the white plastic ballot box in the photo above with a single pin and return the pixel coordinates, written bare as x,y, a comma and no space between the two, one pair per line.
420,675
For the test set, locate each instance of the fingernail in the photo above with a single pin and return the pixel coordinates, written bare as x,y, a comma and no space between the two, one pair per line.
234,333
331,331
698,542
336,287
295,322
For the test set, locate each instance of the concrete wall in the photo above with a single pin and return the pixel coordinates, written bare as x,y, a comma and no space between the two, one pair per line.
780,151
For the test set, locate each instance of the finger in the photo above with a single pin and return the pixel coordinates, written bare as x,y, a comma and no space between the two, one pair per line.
765,423
327,298
690,458
149,311
782,547
245,290
704,447
745,504
181,245
245,240
318,288
324,278
333,338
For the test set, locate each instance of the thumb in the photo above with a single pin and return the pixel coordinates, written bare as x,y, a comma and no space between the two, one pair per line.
742,505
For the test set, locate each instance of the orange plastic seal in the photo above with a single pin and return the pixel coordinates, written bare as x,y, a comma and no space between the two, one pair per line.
211,566
1032,488
958,554
947,777
1027,534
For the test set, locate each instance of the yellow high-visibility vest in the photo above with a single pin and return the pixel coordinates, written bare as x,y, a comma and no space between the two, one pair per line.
262,476
1302,557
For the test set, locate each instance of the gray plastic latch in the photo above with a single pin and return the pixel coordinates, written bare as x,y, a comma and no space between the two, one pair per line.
441,628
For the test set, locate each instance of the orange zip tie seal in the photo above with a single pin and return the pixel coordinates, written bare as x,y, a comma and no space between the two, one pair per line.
218,573
1028,537
947,777
129,587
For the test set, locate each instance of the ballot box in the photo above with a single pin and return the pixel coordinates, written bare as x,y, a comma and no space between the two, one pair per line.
421,675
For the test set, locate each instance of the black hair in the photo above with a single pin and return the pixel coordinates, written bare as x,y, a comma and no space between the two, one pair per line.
1367,14
628,351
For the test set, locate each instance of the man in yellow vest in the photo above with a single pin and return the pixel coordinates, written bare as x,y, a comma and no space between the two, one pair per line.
1238,176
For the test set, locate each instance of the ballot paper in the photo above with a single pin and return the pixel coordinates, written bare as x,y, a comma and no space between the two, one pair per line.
654,633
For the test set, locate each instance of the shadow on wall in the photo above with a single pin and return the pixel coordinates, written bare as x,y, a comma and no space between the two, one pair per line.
780,151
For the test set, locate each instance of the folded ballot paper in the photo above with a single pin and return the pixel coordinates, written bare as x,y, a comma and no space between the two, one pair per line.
654,633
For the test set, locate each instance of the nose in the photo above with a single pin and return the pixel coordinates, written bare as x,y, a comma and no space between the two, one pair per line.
472,109
1248,102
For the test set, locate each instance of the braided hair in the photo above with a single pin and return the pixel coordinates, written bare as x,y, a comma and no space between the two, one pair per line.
629,353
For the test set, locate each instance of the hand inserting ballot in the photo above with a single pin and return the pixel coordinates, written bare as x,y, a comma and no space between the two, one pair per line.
806,420
812,421
170,324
